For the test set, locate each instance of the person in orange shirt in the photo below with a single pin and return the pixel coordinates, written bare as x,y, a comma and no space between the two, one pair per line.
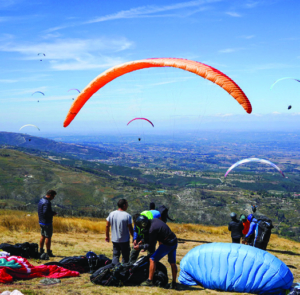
246,224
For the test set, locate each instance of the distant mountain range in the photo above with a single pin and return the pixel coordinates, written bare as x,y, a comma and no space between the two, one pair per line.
28,142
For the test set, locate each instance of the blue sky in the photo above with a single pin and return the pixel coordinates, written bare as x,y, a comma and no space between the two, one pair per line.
253,42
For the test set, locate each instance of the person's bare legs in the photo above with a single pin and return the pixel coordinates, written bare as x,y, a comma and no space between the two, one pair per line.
42,242
151,269
48,244
174,271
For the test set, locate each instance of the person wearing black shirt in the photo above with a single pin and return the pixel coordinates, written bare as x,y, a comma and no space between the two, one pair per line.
236,227
155,231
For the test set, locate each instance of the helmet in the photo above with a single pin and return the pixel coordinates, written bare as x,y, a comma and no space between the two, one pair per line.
92,261
142,223
250,217
233,215
243,217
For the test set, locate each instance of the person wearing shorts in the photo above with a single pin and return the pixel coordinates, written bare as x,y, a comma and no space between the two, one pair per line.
45,220
155,231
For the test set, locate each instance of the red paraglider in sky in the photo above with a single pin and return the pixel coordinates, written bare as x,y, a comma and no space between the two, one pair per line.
140,119
200,69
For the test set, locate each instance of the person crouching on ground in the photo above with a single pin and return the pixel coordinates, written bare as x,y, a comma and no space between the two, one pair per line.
121,225
45,220
156,230
236,227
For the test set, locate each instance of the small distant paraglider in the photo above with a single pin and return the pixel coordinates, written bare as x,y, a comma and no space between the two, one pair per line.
38,92
29,125
253,160
29,139
286,78
41,54
140,119
74,89
289,107
139,139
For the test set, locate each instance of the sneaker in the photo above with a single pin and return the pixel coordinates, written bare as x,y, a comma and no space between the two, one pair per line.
173,286
50,254
42,251
147,283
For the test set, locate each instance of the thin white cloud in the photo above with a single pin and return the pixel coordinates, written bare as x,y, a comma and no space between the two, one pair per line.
147,11
8,3
73,54
87,64
150,9
67,48
271,66
223,115
8,81
233,14
230,50
247,36
252,4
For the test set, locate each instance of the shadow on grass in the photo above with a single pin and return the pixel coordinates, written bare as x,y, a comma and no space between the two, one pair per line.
181,241
284,252
181,287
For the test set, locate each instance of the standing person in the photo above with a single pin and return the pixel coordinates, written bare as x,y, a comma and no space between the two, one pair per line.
236,228
45,220
249,238
246,224
156,230
152,206
121,225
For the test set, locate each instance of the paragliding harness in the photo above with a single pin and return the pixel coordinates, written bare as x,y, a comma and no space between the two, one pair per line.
81,263
263,232
130,274
26,250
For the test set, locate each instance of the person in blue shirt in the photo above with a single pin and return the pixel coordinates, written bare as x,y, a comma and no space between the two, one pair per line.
250,236
45,220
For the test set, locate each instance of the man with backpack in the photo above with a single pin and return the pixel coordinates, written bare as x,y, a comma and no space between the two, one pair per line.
164,213
261,230
121,225
156,230
45,220
236,227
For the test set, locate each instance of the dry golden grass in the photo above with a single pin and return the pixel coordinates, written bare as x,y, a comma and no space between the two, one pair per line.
75,236
22,221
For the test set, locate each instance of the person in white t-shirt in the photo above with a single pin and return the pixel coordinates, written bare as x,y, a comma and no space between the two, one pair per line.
120,223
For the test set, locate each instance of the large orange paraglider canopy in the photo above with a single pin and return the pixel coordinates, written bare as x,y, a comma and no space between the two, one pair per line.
195,67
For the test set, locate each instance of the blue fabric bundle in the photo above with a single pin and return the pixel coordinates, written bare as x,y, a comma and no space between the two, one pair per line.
235,268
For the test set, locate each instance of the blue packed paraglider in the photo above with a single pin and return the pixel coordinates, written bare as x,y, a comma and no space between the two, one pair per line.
235,268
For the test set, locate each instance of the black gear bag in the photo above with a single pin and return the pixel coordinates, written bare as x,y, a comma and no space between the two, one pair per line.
130,274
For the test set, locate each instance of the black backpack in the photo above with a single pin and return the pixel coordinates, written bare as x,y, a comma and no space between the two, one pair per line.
129,274
26,250
164,213
264,229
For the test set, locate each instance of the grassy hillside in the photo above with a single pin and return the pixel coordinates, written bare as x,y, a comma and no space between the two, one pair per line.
93,189
74,236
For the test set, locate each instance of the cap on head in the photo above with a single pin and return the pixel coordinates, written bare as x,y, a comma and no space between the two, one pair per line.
250,217
233,215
